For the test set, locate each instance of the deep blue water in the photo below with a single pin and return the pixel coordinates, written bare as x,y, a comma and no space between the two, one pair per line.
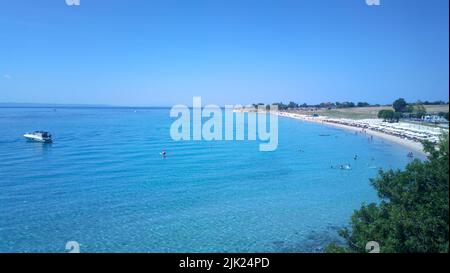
104,184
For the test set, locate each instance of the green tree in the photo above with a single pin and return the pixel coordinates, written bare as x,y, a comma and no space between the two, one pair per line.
399,105
280,105
444,115
363,104
419,111
408,109
397,116
413,214
386,115
292,105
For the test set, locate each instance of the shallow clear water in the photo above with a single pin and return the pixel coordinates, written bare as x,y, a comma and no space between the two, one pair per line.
104,184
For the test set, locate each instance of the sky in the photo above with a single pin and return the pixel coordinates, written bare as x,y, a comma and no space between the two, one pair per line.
161,53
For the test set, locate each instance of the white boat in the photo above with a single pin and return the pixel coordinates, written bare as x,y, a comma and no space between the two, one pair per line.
40,136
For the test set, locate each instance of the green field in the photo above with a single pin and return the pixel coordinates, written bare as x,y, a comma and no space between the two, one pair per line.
365,112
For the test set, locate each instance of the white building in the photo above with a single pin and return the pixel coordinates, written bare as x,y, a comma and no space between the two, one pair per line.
434,119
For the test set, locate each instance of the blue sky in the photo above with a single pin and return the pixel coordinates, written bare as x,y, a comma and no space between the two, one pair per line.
160,53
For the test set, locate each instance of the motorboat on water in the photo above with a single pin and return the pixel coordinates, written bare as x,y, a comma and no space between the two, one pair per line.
39,136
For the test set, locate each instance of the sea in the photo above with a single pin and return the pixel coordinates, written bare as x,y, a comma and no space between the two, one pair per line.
104,185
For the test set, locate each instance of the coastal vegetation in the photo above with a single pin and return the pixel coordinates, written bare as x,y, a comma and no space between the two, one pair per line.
409,110
413,212
412,111
400,105
444,115
389,115
323,105
402,109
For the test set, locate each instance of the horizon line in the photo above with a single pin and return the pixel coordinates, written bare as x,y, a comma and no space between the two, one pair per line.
87,105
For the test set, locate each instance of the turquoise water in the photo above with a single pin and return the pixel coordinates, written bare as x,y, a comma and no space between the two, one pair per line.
104,184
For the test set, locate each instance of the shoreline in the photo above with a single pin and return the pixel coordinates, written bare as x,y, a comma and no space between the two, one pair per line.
414,146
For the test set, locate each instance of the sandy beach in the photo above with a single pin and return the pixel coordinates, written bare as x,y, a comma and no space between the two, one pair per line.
404,134
415,147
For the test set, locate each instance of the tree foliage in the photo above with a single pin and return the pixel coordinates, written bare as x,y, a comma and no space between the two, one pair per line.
444,115
292,105
400,105
386,115
363,104
419,111
413,214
